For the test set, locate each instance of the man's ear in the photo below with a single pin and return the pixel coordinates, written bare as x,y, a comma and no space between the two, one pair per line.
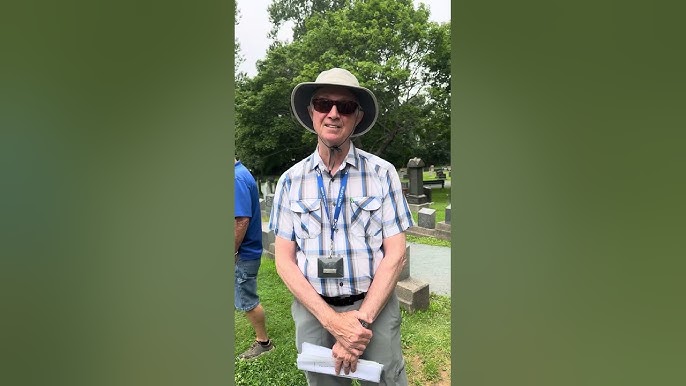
360,115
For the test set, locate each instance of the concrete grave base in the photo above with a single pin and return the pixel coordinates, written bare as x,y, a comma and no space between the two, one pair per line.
416,199
413,294
443,226
416,207
427,218
405,273
437,233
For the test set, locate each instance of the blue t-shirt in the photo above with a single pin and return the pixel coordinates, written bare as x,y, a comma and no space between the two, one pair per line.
247,204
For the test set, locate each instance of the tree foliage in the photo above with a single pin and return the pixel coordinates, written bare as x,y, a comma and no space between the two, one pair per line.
297,11
390,46
238,57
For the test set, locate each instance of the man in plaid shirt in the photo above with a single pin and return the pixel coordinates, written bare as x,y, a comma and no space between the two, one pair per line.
339,218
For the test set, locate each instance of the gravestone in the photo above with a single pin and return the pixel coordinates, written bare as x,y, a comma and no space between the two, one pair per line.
413,294
268,201
440,174
415,196
266,188
268,240
427,218
427,193
444,226
405,273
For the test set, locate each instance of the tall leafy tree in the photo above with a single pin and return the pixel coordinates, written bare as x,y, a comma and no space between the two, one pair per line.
434,142
298,11
238,57
388,44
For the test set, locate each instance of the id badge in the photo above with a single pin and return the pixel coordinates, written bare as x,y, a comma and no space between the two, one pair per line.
330,266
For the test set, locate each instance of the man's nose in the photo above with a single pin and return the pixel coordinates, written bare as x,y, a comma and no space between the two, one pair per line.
333,113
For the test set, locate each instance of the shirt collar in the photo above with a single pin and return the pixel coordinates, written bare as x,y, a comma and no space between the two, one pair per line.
351,159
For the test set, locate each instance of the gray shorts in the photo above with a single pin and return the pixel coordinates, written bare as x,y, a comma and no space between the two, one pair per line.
384,347
245,287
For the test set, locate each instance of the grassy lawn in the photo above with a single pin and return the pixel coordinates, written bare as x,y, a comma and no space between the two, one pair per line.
425,339
439,196
427,240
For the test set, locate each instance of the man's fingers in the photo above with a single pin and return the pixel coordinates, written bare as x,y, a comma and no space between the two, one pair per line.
353,366
337,367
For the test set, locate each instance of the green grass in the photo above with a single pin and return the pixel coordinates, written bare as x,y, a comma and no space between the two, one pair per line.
440,197
425,339
427,240
430,176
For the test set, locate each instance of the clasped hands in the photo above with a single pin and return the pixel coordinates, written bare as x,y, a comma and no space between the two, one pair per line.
351,340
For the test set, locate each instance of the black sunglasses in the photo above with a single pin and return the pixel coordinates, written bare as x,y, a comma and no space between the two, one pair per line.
324,105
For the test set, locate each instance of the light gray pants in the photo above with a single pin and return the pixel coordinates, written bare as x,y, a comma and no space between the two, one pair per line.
384,347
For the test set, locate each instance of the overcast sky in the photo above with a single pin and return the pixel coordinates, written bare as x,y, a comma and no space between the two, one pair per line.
254,26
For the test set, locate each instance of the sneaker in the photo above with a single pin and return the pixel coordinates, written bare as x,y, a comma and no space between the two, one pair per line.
256,350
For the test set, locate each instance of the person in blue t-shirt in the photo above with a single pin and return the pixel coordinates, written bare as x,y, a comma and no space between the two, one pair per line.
247,258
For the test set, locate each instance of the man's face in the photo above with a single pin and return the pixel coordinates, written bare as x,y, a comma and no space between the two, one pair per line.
334,126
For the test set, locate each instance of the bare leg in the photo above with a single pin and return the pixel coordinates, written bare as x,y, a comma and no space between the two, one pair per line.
256,318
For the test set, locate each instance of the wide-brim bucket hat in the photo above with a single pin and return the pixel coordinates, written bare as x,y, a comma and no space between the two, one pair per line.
302,94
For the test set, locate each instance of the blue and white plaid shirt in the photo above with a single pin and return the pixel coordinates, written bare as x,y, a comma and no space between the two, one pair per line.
374,208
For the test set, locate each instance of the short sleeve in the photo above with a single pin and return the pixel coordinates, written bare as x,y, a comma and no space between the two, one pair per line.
281,218
396,213
242,202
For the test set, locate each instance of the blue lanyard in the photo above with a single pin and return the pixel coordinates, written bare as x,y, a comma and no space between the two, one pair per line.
339,201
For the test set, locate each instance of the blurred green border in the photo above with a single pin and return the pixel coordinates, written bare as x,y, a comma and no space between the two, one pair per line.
116,147
568,159
116,150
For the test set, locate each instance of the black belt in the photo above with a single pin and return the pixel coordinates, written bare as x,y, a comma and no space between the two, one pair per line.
343,300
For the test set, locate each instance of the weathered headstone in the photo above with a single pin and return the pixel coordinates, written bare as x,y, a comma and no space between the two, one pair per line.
268,240
427,193
447,214
266,188
416,191
413,294
427,218
405,273
268,201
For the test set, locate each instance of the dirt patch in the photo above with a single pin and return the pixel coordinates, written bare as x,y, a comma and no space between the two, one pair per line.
416,377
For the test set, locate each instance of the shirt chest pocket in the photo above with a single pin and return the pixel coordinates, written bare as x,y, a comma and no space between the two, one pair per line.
307,218
365,217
